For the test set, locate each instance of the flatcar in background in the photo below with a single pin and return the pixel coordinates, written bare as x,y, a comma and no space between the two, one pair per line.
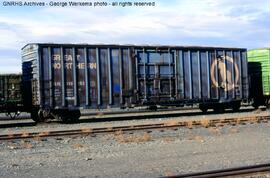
61,79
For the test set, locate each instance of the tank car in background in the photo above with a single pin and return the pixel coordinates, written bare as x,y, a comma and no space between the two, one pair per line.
60,79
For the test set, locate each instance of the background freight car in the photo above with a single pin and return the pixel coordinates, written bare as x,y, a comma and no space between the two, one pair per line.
10,94
64,78
259,72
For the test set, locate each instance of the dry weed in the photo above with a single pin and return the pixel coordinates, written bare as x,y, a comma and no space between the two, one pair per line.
109,136
45,133
37,138
171,123
109,128
169,174
189,124
253,120
77,146
205,122
26,145
233,130
133,138
168,139
25,134
214,131
197,138
86,130
119,132
10,135
120,138
238,121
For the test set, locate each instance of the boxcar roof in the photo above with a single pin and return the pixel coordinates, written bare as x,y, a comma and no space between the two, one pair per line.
135,45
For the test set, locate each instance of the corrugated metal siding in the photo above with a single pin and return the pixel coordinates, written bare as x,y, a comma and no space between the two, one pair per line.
101,76
262,57
30,76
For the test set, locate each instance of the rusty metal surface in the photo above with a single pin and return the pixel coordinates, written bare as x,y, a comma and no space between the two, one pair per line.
104,76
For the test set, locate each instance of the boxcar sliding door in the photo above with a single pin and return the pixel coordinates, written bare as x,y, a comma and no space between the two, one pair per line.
155,75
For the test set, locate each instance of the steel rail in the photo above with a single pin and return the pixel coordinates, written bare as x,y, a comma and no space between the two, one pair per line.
164,125
230,172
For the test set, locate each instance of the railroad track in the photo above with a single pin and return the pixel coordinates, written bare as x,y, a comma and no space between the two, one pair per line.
112,113
262,170
165,125
135,114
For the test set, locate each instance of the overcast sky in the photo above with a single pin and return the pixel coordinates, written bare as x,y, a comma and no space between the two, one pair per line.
232,23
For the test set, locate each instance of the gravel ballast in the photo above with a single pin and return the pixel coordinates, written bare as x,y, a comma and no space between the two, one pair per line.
139,154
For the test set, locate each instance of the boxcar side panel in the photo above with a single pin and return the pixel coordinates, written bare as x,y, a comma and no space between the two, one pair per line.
56,74
46,84
245,84
101,76
92,71
187,75
205,78
81,77
104,77
196,77
115,72
180,72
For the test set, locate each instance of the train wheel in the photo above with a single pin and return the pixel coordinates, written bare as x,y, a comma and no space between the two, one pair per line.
41,116
70,116
203,108
236,106
35,116
219,109
267,103
255,105
152,107
76,115
65,119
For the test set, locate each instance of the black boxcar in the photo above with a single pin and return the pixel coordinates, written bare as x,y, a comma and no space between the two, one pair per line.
10,94
60,79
